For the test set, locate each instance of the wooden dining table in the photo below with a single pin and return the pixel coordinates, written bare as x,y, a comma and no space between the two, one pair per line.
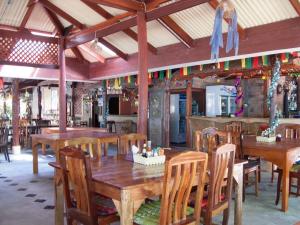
283,154
56,140
129,184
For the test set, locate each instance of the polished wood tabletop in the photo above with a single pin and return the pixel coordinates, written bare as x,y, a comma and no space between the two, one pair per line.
283,154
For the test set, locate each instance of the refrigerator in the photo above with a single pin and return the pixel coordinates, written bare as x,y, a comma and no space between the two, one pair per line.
177,118
220,100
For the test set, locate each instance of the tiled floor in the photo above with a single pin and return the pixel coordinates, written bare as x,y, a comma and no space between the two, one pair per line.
27,199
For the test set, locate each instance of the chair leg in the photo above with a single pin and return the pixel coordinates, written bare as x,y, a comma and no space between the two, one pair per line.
7,155
272,175
298,186
244,187
278,186
256,173
225,216
259,173
208,219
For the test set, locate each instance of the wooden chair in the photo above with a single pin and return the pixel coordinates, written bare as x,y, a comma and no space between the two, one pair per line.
103,144
219,193
4,131
181,173
291,132
81,202
127,140
89,145
234,126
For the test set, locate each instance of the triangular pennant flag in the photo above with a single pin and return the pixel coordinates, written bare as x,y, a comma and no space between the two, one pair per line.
103,84
249,63
156,75
220,65
255,62
226,65
284,57
169,74
201,67
149,78
265,60
243,63
161,75
121,80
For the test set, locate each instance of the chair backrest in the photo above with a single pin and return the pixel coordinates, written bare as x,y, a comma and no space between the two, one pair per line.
78,189
206,141
292,131
89,145
104,144
181,173
221,169
4,132
127,140
234,126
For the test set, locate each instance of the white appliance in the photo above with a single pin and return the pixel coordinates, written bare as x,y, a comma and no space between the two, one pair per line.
220,100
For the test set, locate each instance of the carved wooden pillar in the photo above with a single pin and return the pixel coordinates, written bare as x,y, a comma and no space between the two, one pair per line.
62,87
143,73
189,101
16,148
166,115
39,91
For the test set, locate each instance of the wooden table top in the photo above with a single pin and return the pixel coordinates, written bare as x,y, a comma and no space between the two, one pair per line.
249,141
123,174
72,134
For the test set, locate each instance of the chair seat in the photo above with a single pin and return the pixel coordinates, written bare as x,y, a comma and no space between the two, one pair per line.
149,213
104,206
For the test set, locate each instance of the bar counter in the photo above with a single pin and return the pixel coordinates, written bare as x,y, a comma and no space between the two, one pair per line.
250,124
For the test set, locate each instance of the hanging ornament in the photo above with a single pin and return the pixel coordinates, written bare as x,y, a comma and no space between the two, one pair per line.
239,98
1,83
227,11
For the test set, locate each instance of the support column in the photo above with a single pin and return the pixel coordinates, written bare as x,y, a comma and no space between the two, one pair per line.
62,87
16,148
298,94
143,73
39,103
265,92
166,116
189,100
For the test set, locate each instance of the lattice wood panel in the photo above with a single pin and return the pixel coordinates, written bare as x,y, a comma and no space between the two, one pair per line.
17,50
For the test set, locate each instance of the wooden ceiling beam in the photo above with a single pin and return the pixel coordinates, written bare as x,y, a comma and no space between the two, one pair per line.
55,21
155,3
296,5
89,51
27,16
61,13
214,4
78,54
177,31
154,14
102,12
128,5
113,48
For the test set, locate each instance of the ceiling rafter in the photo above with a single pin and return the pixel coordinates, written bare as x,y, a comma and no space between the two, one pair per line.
177,31
61,30
214,4
113,48
27,16
296,5
153,4
89,51
108,16
61,13
128,5
77,39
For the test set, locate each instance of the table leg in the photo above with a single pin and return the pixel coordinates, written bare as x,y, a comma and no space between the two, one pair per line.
126,217
285,189
59,198
35,157
238,205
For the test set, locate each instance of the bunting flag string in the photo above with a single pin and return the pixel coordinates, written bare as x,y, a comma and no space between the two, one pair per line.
161,75
169,74
248,63
149,78
243,63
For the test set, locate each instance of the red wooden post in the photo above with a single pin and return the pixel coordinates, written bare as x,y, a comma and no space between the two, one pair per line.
143,73
16,148
39,103
62,87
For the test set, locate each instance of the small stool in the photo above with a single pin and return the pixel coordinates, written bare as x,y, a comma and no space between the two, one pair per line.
110,125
